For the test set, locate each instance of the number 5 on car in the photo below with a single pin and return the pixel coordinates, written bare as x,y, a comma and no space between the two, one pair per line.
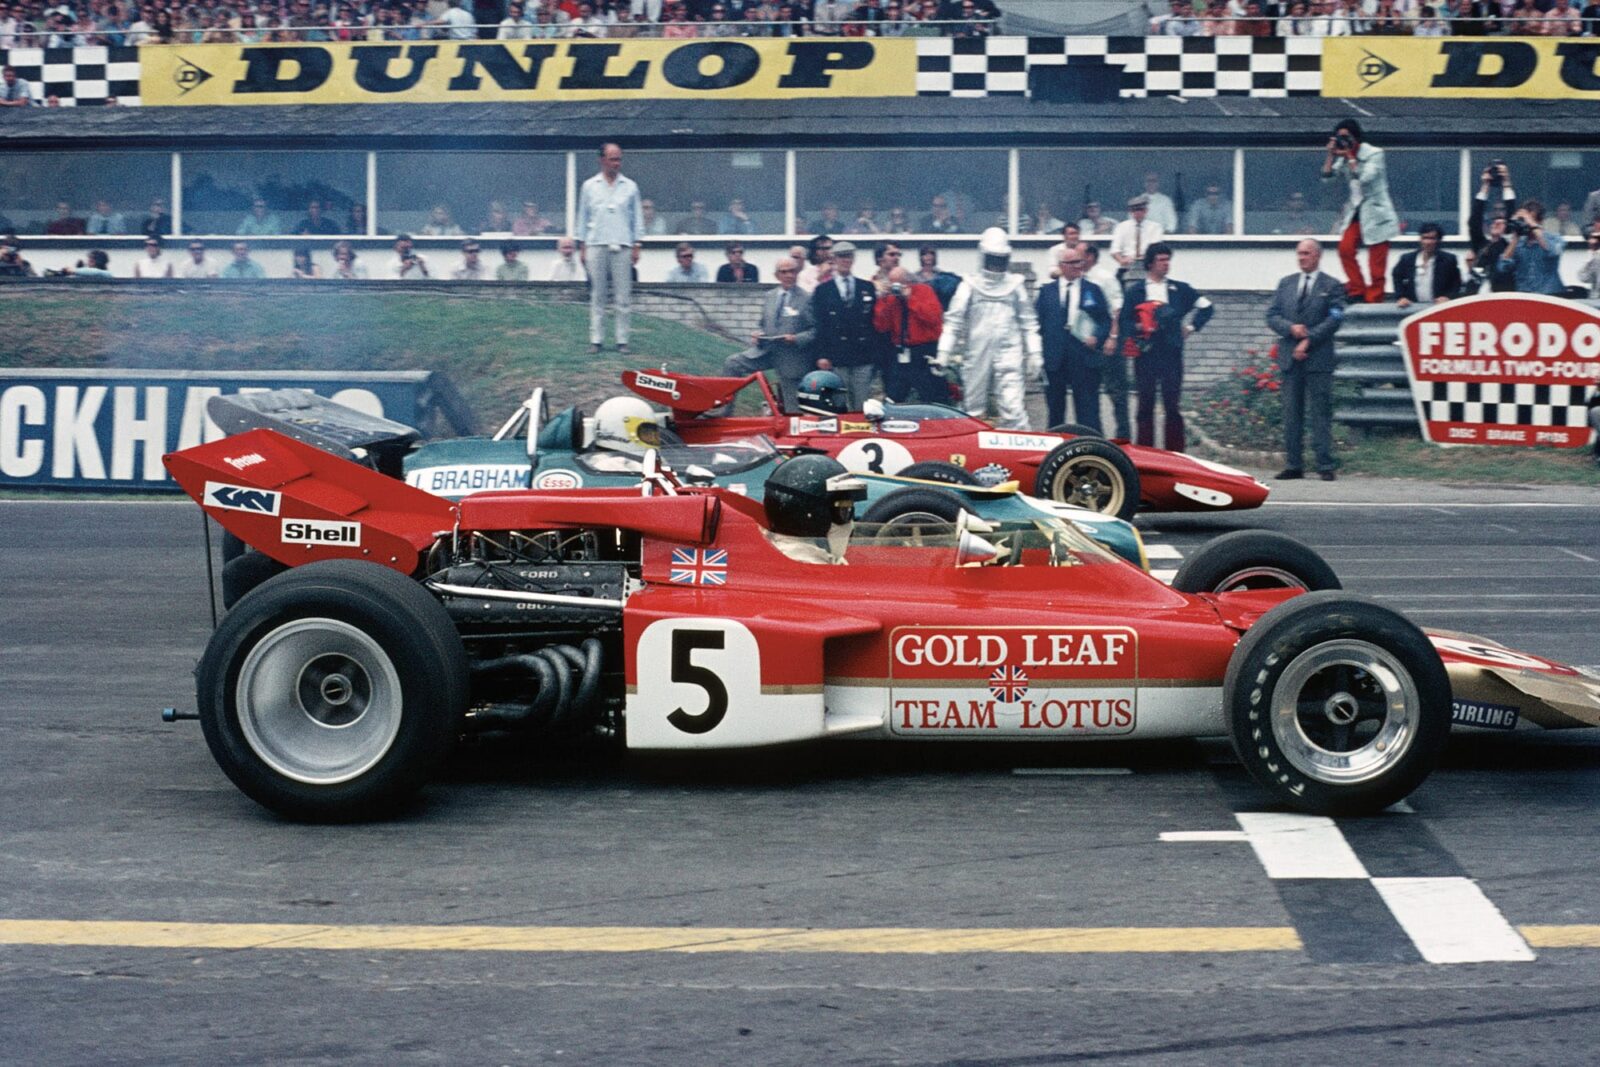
697,684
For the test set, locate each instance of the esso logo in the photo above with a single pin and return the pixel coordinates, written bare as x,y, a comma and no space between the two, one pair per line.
560,478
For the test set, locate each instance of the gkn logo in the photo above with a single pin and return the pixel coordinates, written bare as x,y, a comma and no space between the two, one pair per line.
241,498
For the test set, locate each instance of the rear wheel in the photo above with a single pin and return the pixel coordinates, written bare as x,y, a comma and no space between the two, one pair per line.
1092,473
1254,559
244,572
332,691
1337,704
937,470
915,511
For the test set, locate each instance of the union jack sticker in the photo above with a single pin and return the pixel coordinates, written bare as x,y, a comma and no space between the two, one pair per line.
695,566
1008,684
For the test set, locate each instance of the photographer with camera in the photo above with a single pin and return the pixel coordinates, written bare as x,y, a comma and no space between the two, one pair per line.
1369,217
1494,193
910,318
1533,255
407,263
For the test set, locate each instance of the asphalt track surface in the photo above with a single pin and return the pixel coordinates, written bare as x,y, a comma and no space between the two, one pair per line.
865,903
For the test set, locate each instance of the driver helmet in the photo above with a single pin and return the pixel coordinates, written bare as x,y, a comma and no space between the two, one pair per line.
626,424
822,392
808,495
995,248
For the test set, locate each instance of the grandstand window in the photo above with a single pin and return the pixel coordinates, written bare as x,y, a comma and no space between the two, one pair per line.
675,181
849,191
445,194
268,192
33,184
1554,176
1285,194
1063,182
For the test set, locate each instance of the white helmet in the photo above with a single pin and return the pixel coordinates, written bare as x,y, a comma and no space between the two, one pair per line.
994,242
626,424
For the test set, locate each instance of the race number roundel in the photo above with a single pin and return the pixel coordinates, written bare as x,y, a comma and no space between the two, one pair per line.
875,456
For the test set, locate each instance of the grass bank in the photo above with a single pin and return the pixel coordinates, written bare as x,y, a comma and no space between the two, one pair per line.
495,347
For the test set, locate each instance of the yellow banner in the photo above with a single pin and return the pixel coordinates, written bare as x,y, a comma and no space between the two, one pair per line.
1492,68
436,72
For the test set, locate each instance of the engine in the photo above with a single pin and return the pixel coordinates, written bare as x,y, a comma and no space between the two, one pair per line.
540,614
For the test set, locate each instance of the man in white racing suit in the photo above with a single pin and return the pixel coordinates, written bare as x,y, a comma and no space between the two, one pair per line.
991,322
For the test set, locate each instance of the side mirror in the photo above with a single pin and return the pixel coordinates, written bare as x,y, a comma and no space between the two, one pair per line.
873,410
974,551
698,475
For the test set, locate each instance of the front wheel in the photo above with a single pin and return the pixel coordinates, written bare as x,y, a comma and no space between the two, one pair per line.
1254,559
1337,704
331,692
914,512
1089,472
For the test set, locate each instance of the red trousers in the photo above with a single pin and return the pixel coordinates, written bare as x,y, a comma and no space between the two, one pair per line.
1356,287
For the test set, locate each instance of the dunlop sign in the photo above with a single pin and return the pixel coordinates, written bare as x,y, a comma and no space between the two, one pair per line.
437,72
1495,68
1503,369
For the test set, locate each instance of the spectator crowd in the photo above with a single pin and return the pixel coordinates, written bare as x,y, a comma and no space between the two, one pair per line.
1344,18
71,23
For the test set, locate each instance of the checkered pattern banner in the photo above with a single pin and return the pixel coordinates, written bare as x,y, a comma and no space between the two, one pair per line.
1505,404
77,76
1144,66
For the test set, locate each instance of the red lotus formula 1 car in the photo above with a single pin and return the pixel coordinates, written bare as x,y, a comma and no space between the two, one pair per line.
698,618
931,441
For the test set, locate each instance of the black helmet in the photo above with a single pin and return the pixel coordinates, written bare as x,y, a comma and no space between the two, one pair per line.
808,494
822,392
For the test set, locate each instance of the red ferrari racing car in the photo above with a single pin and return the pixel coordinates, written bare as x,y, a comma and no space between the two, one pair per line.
698,618
931,440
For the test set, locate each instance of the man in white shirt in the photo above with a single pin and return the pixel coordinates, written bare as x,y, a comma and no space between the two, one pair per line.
567,267
1162,210
198,266
407,264
153,264
1132,236
610,220
514,27
458,22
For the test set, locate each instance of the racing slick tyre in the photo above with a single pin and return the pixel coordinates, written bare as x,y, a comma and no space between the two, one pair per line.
1337,704
1254,559
233,547
937,470
244,572
1092,473
1076,429
914,510
332,691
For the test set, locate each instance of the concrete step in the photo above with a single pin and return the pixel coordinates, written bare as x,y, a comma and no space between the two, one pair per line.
1361,334
1387,395
1369,416
1389,375
1375,353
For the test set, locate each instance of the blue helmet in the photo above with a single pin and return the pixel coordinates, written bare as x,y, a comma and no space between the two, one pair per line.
822,392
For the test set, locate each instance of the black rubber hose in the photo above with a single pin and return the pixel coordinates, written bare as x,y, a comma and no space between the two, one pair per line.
562,711
587,661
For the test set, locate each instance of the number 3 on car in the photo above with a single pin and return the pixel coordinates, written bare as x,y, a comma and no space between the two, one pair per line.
697,684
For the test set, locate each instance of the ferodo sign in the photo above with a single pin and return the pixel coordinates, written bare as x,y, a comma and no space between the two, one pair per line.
436,72
1022,682
1539,68
109,429
1504,369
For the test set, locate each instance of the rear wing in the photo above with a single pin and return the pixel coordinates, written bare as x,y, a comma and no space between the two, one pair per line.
304,416
689,395
297,503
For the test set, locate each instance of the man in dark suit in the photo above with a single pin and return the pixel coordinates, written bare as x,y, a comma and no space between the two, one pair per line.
842,308
1074,322
1427,276
1153,329
1305,314
782,343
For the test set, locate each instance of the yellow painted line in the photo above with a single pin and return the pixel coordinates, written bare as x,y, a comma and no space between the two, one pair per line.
869,940
1574,936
